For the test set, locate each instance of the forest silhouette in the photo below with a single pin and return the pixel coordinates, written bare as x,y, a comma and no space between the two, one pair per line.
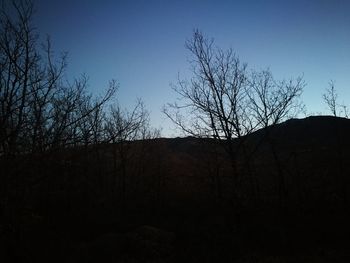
84,180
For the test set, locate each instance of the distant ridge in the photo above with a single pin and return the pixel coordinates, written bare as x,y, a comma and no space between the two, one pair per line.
312,129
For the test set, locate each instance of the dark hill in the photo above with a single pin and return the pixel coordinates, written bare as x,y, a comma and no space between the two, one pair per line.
310,154
291,199
311,131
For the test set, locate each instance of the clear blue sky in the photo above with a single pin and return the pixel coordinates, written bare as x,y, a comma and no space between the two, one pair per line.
141,43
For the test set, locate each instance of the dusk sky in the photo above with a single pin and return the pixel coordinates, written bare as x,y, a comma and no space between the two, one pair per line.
141,43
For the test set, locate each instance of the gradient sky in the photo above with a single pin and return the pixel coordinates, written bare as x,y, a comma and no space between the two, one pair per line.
141,43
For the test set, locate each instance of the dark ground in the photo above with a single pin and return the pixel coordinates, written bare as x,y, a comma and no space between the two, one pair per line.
173,200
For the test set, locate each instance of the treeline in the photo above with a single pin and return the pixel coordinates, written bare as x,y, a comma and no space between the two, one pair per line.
63,151
72,162
40,109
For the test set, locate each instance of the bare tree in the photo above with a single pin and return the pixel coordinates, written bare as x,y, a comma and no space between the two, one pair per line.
271,102
122,127
38,109
28,77
213,102
338,110
224,101
330,97
44,117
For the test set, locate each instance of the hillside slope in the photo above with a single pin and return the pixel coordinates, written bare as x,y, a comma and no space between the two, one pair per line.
118,200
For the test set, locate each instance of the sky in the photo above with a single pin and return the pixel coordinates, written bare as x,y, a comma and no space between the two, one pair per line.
141,44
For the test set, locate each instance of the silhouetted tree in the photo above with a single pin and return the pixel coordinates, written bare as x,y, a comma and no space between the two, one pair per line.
53,131
338,110
41,113
271,102
126,125
122,127
38,110
330,98
223,101
214,99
